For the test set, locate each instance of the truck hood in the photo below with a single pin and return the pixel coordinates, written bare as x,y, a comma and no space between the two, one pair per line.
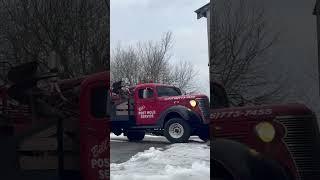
190,96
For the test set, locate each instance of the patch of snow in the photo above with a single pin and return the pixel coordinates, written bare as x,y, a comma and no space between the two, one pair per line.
122,136
148,137
187,161
115,136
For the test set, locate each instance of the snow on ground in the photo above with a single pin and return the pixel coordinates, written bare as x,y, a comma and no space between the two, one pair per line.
187,161
112,136
148,137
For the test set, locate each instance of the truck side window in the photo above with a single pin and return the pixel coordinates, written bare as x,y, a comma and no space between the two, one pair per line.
145,93
99,100
168,91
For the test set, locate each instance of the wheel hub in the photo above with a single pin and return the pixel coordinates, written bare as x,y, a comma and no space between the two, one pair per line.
176,130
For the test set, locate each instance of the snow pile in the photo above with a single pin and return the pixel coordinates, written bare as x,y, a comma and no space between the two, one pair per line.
178,162
115,136
149,137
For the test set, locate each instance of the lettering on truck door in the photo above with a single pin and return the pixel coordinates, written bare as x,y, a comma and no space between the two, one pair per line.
146,106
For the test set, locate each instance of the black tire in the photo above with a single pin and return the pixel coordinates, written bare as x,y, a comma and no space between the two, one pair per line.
135,135
117,131
204,134
179,127
204,137
232,159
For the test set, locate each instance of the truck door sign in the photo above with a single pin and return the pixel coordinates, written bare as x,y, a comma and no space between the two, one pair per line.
238,113
143,114
98,163
102,164
99,149
141,108
147,114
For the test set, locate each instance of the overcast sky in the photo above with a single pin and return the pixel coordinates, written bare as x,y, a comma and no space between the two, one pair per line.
143,20
295,54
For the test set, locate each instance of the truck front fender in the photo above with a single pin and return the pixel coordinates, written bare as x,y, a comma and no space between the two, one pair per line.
230,158
179,111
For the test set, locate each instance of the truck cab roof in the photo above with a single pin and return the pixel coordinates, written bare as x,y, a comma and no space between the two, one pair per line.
152,85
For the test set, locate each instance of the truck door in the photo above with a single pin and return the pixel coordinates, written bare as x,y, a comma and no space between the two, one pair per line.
146,106
94,129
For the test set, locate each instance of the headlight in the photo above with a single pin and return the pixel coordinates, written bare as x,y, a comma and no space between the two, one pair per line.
193,103
265,131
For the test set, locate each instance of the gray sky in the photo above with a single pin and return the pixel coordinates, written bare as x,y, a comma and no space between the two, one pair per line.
294,56
143,20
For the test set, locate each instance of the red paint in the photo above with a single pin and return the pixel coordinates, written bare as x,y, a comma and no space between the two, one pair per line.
241,128
153,107
94,133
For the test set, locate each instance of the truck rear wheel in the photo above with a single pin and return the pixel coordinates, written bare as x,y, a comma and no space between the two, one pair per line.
177,130
117,131
135,135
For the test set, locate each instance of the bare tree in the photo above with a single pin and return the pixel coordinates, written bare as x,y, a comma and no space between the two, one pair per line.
125,64
240,40
77,31
183,75
150,62
154,57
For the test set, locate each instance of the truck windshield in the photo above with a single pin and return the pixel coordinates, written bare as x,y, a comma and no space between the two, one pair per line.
168,91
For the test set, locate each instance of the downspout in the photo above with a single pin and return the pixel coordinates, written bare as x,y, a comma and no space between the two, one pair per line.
317,13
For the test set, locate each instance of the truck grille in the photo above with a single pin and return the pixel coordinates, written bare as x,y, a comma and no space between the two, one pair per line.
302,140
204,107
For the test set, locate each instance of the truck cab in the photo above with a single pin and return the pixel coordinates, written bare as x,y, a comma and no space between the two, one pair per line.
160,109
284,138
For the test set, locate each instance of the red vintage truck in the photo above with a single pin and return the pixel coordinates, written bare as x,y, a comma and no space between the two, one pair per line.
160,109
259,142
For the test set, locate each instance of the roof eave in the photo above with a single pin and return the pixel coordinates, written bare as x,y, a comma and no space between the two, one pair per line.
202,12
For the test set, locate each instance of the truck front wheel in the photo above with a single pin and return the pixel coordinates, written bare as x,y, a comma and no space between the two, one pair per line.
135,135
233,160
177,130
204,134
